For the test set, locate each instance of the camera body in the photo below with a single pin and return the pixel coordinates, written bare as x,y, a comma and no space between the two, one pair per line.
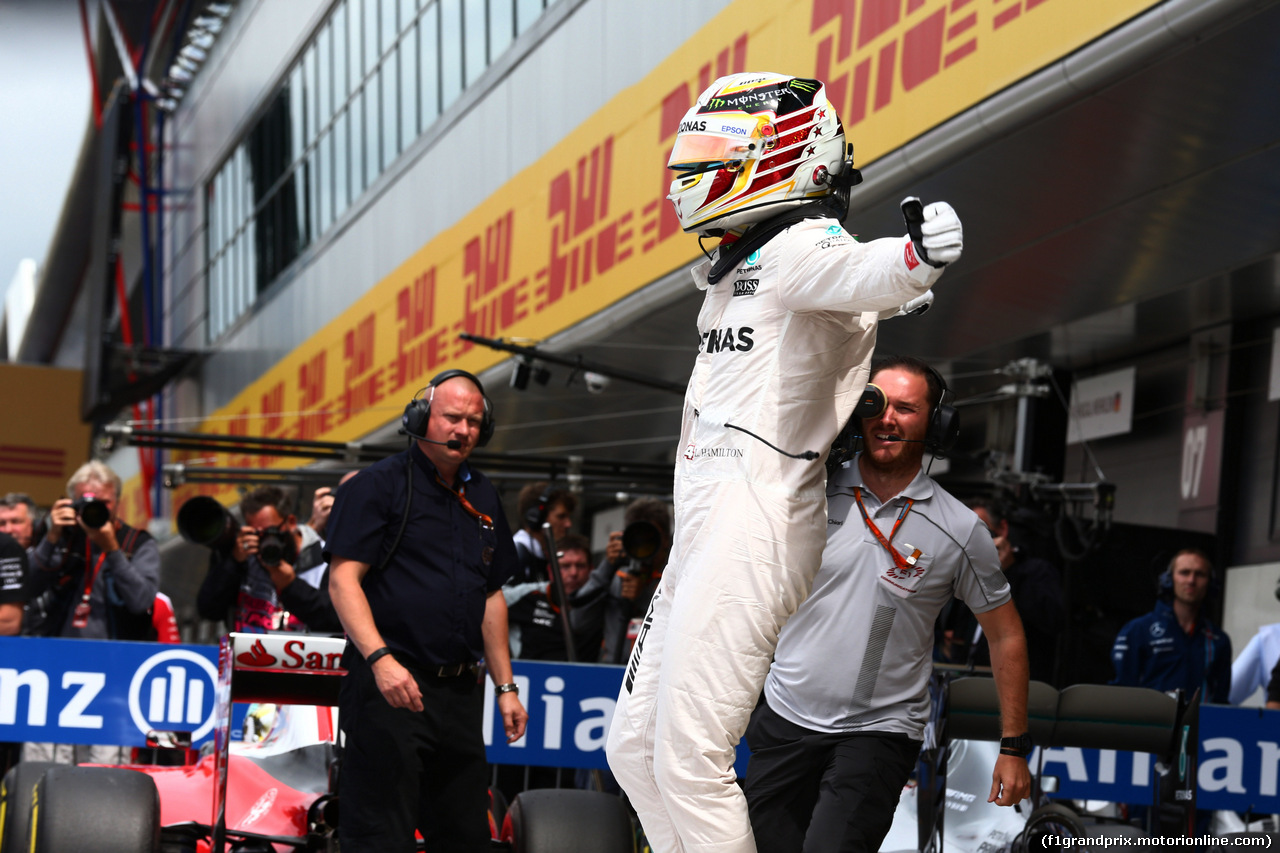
275,546
92,510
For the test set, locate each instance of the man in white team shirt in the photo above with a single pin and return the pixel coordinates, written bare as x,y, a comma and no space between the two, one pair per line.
786,333
846,700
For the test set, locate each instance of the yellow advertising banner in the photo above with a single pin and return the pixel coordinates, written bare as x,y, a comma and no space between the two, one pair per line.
42,441
588,223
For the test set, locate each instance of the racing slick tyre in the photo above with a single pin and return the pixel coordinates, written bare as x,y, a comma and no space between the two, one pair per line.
1050,821
559,820
15,804
103,809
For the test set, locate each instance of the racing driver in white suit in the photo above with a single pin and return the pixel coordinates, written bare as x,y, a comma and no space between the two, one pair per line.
786,331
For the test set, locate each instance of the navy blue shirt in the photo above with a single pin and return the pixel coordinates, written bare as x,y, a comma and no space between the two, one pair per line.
428,602
1153,651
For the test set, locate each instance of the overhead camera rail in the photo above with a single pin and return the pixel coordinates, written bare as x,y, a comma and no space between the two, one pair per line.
352,452
529,353
607,475
596,476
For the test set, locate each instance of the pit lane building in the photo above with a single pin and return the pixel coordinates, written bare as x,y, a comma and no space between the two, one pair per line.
331,190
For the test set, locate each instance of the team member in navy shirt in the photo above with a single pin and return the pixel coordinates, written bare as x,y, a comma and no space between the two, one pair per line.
13,580
1175,646
417,584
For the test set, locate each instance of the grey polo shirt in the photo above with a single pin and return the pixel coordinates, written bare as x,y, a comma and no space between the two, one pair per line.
857,654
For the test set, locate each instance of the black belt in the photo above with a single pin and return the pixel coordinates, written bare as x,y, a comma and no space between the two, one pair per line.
448,670
452,670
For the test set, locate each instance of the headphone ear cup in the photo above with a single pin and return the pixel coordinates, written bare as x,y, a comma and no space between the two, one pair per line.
536,515
944,429
944,422
487,425
414,420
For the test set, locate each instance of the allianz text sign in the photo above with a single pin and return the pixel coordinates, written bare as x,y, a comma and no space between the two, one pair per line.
88,691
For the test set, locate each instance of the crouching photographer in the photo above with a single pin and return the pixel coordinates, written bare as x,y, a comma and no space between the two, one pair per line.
253,581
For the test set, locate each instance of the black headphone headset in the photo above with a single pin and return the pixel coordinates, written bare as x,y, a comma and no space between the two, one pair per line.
944,420
536,515
418,412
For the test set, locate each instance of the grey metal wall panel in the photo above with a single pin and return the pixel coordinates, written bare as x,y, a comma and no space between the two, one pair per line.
602,47
261,40
1144,464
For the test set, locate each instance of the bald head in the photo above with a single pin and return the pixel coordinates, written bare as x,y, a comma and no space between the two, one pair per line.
457,413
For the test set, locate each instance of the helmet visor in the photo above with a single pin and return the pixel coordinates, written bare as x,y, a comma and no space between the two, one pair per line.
719,140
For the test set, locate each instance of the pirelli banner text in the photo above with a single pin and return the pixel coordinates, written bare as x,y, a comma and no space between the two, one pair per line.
588,223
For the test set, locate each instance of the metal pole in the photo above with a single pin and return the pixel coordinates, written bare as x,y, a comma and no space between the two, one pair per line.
557,583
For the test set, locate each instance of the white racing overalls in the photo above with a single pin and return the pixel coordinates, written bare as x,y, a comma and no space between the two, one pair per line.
785,351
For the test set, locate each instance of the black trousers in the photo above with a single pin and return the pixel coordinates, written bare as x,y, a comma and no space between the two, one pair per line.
816,792
404,770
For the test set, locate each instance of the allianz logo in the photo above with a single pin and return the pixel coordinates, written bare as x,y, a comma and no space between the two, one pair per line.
171,689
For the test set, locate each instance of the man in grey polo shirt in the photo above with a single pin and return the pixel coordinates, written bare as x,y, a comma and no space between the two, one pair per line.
845,703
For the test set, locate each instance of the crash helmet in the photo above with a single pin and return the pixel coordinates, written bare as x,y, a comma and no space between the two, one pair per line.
753,145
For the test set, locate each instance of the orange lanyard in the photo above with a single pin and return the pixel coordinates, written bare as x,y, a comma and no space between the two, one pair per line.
898,560
461,495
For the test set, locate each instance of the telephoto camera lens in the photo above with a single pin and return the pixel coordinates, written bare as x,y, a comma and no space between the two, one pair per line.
204,521
93,512
641,540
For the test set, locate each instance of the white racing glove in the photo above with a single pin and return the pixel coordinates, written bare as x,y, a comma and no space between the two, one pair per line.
935,229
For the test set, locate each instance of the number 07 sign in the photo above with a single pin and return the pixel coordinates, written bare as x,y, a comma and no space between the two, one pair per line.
1201,459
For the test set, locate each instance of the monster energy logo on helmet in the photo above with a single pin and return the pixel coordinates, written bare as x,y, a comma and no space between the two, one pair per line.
768,97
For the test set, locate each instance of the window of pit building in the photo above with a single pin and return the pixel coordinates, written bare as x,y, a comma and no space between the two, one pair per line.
375,76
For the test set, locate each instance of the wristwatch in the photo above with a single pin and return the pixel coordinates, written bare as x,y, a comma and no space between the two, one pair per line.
1020,746
509,687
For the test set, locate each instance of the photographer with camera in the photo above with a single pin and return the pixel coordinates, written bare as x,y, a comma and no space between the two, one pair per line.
97,576
632,566
255,585
93,577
